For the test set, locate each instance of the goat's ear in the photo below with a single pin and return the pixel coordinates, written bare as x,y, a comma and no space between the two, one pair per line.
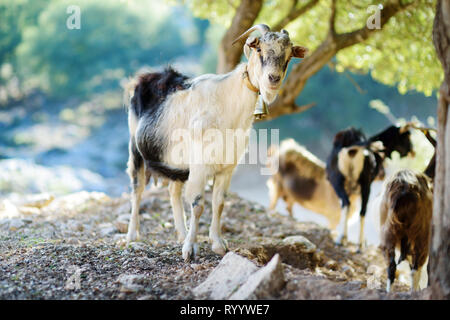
299,51
252,42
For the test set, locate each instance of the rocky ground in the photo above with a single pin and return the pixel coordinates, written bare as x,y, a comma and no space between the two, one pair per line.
72,247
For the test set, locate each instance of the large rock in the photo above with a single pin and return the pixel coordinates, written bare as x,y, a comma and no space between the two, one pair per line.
232,271
130,282
307,246
264,283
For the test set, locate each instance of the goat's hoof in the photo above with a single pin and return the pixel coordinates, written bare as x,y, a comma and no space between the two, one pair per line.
220,246
132,237
189,251
341,241
361,248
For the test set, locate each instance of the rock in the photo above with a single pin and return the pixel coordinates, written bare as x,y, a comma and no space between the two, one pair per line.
137,246
36,201
375,270
130,282
349,271
29,210
292,254
75,225
107,229
307,245
121,226
264,283
122,223
332,265
15,224
373,282
232,271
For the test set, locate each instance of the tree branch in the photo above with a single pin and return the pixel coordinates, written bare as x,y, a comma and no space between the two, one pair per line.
333,18
301,72
245,16
294,14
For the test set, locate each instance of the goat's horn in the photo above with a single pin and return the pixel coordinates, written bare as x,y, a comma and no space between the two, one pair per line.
263,28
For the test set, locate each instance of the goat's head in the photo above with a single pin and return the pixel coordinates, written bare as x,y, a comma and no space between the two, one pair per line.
268,57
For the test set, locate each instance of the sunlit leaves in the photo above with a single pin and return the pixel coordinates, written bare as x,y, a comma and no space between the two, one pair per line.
400,54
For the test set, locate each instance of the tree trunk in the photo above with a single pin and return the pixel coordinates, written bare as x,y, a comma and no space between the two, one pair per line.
229,55
440,244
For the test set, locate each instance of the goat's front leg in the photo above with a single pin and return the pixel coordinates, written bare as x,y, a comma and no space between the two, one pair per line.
136,171
179,217
343,227
365,193
392,267
221,184
195,189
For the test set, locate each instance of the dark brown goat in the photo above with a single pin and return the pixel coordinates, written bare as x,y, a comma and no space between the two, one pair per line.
405,220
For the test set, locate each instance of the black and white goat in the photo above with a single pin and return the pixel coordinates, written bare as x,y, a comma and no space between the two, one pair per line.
405,220
355,162
165,102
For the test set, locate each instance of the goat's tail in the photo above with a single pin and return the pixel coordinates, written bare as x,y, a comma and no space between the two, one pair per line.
129,87
167,171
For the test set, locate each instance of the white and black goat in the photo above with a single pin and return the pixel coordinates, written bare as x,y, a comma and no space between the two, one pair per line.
405,219
355,162
166,102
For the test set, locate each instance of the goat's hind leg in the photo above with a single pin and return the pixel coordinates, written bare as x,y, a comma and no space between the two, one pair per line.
274,193
179,217
365,192
221,184
136,171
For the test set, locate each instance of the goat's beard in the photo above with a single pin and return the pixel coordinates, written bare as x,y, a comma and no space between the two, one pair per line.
269,95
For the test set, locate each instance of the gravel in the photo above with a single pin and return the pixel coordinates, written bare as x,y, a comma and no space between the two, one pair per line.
73,248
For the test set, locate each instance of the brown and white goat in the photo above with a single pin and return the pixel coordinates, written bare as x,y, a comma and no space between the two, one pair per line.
405,220
168,103
302,179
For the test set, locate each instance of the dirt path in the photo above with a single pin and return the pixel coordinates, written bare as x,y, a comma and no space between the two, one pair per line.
70,249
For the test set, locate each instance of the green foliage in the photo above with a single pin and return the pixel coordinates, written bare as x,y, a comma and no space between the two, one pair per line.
14,17
400,54
115,40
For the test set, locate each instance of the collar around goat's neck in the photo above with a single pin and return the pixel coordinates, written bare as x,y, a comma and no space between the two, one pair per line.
247,81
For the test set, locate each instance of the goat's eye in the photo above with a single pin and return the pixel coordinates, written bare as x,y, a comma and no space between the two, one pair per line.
258,50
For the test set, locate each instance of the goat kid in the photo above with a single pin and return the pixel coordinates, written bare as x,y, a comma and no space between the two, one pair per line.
355,162
405,220
167,101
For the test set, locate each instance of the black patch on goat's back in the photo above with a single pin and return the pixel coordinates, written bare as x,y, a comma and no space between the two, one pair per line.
150,93
393,140
152,90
